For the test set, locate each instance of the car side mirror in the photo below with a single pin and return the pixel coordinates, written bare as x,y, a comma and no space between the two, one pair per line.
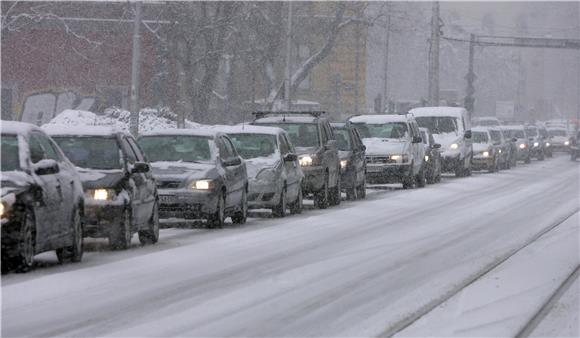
436,146
140,168
233,162
46,167
531,139
290,157
467,134
364,148
417,139
330,145
514,139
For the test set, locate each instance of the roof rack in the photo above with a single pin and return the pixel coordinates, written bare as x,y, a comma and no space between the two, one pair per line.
260,114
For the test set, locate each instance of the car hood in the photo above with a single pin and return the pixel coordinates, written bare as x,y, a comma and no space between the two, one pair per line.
559,139
179,171
13,183
344,154
306,150
384,146
96,178
255,165
480,147
446,139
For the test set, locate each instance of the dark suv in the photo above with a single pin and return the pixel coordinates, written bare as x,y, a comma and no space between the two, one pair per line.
120,191
353,165
317,152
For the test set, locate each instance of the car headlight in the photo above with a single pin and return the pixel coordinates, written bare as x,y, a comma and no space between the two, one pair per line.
523,146
499,151
343,164
306,160
485,154
2,209
547,144
202,185
426,158
536,144
399,158
454,146
101,194
566,143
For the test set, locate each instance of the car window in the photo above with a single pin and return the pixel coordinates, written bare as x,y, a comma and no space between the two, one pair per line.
36,151
284,146
301,134
357,138
9,153
395,130
250,145
49,151
94,152
129,154
342,139
226,149
479,137
231,148
289,143
178,148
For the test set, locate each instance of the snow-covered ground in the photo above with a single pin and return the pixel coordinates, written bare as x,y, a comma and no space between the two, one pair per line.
365,268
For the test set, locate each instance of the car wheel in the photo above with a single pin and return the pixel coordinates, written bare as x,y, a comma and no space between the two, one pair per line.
335,196
280,209
421,178
298,205
352,193
408,181
151,235
24,258
241,216
216,221
120,236
459,171
321,197
362,189
75,251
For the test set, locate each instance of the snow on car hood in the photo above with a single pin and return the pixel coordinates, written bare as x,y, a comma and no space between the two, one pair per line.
480,147
306,150
100,178
385,146
180,171
13,183
445,139
255,165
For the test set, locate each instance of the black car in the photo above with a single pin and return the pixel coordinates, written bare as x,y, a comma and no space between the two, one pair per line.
432,157
120,192
199,175
575,146
315,145
42,198
537,144
351,152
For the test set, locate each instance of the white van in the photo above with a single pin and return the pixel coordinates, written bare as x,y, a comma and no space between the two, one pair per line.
451,127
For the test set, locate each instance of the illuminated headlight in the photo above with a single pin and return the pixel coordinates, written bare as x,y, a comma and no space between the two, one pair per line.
536,144
547,144
523,146
2,209
102,194
306,160
399,158
343,164
499,151
485,154
566,143
454,146
202,185
426,158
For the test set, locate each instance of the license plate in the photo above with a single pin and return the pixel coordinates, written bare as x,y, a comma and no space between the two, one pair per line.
371,169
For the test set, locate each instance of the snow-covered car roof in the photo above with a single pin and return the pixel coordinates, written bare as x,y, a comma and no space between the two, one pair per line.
553,127
378,118
338,125
68,130
438,111
249,129
481,129
286,119
512,127
15,127
202,131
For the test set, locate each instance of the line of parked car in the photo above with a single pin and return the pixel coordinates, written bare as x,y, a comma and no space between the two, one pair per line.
61,184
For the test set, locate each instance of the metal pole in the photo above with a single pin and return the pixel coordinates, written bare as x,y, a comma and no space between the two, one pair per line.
135,67
357,68
385,92
434,57
470,77
288,84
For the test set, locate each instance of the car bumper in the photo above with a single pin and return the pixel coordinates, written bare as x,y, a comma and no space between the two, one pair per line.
313,179
480,163
99,219
449,163
263,194
347,178
387,173
188,204
523,154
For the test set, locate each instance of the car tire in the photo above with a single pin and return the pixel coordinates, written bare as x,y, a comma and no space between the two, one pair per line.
352,193
321,197
362,190
216,221
335,195
459,171
408,181
297,206
74,253
151,235
121,235
421,178
241,216
280,209
24,258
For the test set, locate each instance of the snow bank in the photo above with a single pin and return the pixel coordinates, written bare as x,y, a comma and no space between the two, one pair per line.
149,119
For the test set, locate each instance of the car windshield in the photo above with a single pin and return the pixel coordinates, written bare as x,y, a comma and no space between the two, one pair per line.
495,135
254,145
395,130
557,132
532,132
301,134
342,139
544,132
438,124
517,133
480,137
93,152
10,158
176,148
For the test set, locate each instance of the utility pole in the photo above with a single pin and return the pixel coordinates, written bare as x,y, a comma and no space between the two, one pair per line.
434,57
385,88
357,67
135,68
470,77
288,84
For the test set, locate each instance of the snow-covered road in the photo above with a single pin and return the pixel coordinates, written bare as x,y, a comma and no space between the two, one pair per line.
366,268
